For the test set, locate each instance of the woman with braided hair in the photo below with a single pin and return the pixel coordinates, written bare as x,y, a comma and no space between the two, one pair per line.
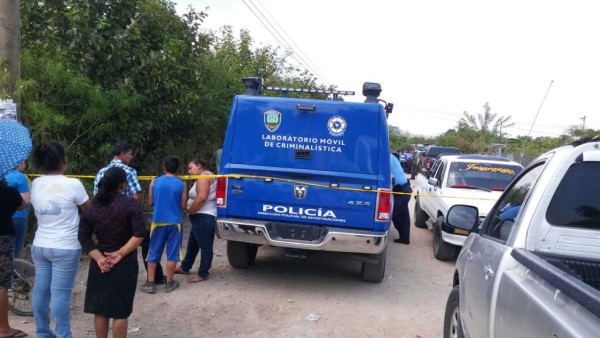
117,223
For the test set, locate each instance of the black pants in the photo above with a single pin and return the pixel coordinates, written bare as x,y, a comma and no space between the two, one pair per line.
159,277
401,216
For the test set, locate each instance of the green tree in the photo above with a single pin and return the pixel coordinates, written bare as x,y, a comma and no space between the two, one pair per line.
99,71
486,125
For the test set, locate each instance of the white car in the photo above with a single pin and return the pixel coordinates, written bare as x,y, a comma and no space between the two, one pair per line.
476,180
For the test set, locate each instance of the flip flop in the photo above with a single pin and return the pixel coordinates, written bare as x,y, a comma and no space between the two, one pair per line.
180,271
196,279
16,334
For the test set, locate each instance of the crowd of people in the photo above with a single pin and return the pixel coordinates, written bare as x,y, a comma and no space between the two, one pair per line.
411,161
108,227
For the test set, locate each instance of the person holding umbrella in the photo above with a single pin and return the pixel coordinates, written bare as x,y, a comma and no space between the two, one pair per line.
15,145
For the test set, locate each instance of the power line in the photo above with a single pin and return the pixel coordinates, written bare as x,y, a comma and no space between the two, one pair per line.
303,55
538,112
273,31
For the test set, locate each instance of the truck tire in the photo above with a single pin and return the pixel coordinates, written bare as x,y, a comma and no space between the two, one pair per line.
420,215
241,255
374,272
452,324
441,250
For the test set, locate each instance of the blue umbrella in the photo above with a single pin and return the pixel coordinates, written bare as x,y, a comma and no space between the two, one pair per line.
15,145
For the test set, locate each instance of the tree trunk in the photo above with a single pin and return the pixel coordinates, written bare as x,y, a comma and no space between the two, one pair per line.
10,48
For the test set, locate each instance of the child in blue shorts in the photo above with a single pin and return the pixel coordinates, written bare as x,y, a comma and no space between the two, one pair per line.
168,195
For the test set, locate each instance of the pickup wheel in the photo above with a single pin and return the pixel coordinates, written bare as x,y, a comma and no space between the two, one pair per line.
420,215
452,324
374,272
241,255
442,250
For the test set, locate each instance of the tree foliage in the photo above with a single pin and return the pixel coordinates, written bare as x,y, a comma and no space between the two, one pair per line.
95,72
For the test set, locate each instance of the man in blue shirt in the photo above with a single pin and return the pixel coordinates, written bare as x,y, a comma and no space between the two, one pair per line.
402,192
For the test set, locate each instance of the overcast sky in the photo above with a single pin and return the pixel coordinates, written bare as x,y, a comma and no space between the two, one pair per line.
435,59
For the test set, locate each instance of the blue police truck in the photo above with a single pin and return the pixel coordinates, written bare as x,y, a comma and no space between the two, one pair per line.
306,174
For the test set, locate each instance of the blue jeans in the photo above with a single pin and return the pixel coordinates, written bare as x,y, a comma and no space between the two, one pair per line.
201,239
20,231
55,271
401,216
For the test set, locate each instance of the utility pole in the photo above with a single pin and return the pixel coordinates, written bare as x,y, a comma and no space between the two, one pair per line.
10,47
583,118
501,131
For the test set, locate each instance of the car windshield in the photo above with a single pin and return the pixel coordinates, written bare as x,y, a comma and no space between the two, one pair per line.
485,176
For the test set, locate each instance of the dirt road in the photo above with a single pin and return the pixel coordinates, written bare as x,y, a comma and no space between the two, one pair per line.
278,297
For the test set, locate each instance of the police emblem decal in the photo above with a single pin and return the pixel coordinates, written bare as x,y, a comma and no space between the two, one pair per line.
336,125
272,120
300,191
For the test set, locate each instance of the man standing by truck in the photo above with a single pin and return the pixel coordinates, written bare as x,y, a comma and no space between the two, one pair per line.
402,190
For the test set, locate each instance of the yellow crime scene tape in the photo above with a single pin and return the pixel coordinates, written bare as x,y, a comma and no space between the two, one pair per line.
195,177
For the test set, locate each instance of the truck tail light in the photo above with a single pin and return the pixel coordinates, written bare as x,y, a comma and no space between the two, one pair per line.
384,205
427,163
221,192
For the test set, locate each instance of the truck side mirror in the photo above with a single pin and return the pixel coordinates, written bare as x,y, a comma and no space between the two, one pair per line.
463,217
433,181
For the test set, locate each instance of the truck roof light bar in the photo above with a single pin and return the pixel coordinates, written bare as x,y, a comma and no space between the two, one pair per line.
286,90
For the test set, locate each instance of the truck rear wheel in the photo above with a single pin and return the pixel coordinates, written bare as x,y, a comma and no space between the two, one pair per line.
241,255
374,271
452,323
442,250
420,215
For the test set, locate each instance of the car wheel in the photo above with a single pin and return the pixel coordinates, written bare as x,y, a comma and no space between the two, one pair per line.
442,250
420,215
452,322
241,255
374,271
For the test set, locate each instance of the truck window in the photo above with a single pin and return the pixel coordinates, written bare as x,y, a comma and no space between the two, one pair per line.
575,202
481,175
503,216
439,174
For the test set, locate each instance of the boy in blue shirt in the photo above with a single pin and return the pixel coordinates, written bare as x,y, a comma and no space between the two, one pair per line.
168,195
17,179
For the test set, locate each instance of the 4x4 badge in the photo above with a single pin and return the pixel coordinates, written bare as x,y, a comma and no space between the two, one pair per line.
299,191
272,120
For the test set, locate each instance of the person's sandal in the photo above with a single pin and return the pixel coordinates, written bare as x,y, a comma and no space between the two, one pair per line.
149,287
180,271
196,279
170,286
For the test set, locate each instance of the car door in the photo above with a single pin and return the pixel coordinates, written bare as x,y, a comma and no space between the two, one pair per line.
438,190
483,257
429,204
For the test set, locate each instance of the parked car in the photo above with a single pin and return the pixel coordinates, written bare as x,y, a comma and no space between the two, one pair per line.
477,180
432,152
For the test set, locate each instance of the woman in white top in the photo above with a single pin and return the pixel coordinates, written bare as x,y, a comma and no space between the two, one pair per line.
57,201
202,208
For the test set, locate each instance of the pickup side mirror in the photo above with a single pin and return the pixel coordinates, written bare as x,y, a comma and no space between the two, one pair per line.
426,172
463,217
433,181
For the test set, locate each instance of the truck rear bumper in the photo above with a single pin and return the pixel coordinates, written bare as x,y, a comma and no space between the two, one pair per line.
336,239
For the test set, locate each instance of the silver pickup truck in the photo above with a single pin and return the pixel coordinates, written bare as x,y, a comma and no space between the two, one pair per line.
532,268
